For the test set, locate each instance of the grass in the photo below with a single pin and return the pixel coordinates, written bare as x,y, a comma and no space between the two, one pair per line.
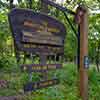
66,90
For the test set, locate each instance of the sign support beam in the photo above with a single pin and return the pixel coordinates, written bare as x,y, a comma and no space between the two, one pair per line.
82,20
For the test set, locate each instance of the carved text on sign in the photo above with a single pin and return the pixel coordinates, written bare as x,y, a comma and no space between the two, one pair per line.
32,86
40,67
31,28
42,48
40,39
42,27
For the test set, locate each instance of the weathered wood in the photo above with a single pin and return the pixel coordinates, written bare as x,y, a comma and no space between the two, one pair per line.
43,59
36,33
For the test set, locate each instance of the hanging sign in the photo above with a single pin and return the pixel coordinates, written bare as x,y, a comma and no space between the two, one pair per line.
40,67
86,62
36,32
32,86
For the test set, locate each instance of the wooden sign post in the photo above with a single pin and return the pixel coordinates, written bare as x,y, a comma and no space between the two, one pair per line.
40,34
82,20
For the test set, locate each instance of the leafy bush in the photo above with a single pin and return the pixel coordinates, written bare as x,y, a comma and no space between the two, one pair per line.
7,63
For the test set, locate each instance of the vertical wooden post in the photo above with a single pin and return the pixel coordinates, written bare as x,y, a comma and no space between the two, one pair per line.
83,54
43,58
82,20
44,7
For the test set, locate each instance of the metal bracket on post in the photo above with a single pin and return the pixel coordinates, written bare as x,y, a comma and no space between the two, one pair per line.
64,9
70,24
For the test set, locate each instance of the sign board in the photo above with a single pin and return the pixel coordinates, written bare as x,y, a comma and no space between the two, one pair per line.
40,67
36,32
32,86
42,49
86,62
39,34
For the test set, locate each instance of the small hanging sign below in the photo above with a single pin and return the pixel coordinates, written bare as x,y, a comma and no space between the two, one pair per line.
32,86
40,67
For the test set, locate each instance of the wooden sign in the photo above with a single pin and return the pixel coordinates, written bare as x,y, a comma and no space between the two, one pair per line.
32,86
39,34
36,32
40,67
42,49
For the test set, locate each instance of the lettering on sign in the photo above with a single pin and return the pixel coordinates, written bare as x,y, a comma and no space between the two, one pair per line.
44,49
40,67
36,32
42,28
29,37
32,86
42,33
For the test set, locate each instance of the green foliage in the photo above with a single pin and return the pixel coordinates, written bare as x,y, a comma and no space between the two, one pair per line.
4,62
94,87
94,36
66,90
